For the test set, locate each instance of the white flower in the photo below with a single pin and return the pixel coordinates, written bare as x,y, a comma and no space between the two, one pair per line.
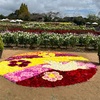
72,65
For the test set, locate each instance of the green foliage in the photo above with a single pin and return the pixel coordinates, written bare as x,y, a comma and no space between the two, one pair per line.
8,38
33,40
81,40
60,40
73,40
79,20
88,40
23,39
50,40
92,18
66,41
45,39
2,16
1,43
23,12
55,26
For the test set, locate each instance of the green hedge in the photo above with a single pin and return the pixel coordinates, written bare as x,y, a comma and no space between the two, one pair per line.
50,40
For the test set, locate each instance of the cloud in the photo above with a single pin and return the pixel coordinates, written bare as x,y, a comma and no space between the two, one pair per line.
65,7
97,3
8,6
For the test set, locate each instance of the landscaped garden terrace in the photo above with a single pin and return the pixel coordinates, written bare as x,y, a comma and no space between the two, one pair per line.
39,27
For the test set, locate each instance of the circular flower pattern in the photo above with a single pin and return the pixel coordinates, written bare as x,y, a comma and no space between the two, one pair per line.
47,69
52,76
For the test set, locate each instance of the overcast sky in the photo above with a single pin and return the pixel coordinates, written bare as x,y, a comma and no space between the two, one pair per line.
65,7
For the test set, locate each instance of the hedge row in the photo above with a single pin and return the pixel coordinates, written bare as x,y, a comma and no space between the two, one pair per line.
52,40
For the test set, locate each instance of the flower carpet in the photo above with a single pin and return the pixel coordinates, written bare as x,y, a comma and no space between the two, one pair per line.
47,69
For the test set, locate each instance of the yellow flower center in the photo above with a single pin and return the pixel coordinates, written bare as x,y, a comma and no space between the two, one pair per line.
51,75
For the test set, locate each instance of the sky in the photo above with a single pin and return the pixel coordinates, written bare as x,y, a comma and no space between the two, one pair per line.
65,7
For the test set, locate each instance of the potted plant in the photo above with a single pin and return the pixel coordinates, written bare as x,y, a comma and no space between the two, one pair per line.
1,46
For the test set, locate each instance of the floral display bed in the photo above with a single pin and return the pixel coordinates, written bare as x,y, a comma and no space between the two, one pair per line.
47,69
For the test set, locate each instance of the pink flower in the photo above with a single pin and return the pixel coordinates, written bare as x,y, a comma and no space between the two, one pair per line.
13,78
52,76
89,65
26,74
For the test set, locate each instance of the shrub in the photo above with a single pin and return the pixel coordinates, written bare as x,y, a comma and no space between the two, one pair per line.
1,44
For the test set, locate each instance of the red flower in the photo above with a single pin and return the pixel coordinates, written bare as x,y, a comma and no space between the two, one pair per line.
69,77
20,63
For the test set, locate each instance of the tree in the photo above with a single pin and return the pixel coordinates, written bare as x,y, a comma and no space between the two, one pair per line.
79,20
50,16
23,12
2,16
92,18
37,17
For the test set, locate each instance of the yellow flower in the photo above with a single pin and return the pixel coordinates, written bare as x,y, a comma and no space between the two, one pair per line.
52,76
4,68
46,54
